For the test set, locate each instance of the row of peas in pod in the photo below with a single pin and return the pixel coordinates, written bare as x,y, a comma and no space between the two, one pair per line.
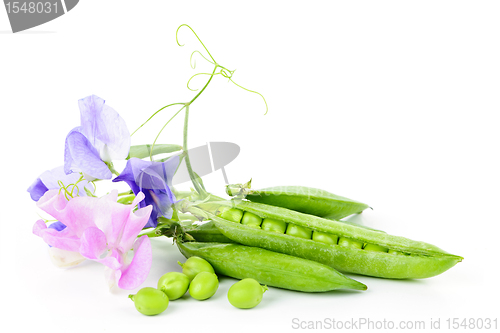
199,278
269,224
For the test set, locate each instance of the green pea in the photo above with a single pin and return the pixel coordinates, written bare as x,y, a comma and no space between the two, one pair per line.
194,266
350,243
246,293
298,231
174,284
396,252
150,301
233,215
323,237
274,225
375,248
203,286
251,220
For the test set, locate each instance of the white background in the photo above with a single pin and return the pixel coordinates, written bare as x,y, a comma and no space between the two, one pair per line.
393,103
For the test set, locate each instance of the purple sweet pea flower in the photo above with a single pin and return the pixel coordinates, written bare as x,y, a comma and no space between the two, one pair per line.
154,179
102,137
49,180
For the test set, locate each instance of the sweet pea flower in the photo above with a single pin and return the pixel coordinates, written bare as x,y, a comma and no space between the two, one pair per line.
50,179
102,137
99,229
154,179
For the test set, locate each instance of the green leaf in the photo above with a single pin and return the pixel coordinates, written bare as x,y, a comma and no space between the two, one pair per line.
142,151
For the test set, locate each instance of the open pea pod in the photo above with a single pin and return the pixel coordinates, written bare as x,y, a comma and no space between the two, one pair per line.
345,247
303,199
270,268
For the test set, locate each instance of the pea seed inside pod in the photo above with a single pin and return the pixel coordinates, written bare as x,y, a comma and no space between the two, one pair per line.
397,253
233,215
195,265
298,231
251,220
375,248
274,225
246,294
150,301
323,237
350,243
174,284
203,286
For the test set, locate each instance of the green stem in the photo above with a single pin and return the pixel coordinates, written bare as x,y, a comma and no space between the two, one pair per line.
112,168
150,233
154,142
206,85
154,114
194,178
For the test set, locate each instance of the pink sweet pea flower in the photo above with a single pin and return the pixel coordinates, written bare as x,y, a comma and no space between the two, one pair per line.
99,229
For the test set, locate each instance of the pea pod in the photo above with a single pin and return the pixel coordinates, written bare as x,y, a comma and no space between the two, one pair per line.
303,199
270,268
419,259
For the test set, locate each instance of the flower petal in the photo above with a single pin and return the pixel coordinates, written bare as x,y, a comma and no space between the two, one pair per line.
37,189
93,243
138,270
153,178
104,127
80,155
57,226
135,223
64,239
124,225
64,258
112,276
51,179
113,261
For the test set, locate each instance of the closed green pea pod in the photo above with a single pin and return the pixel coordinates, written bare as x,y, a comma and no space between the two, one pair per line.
268,267
425,261
303,199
